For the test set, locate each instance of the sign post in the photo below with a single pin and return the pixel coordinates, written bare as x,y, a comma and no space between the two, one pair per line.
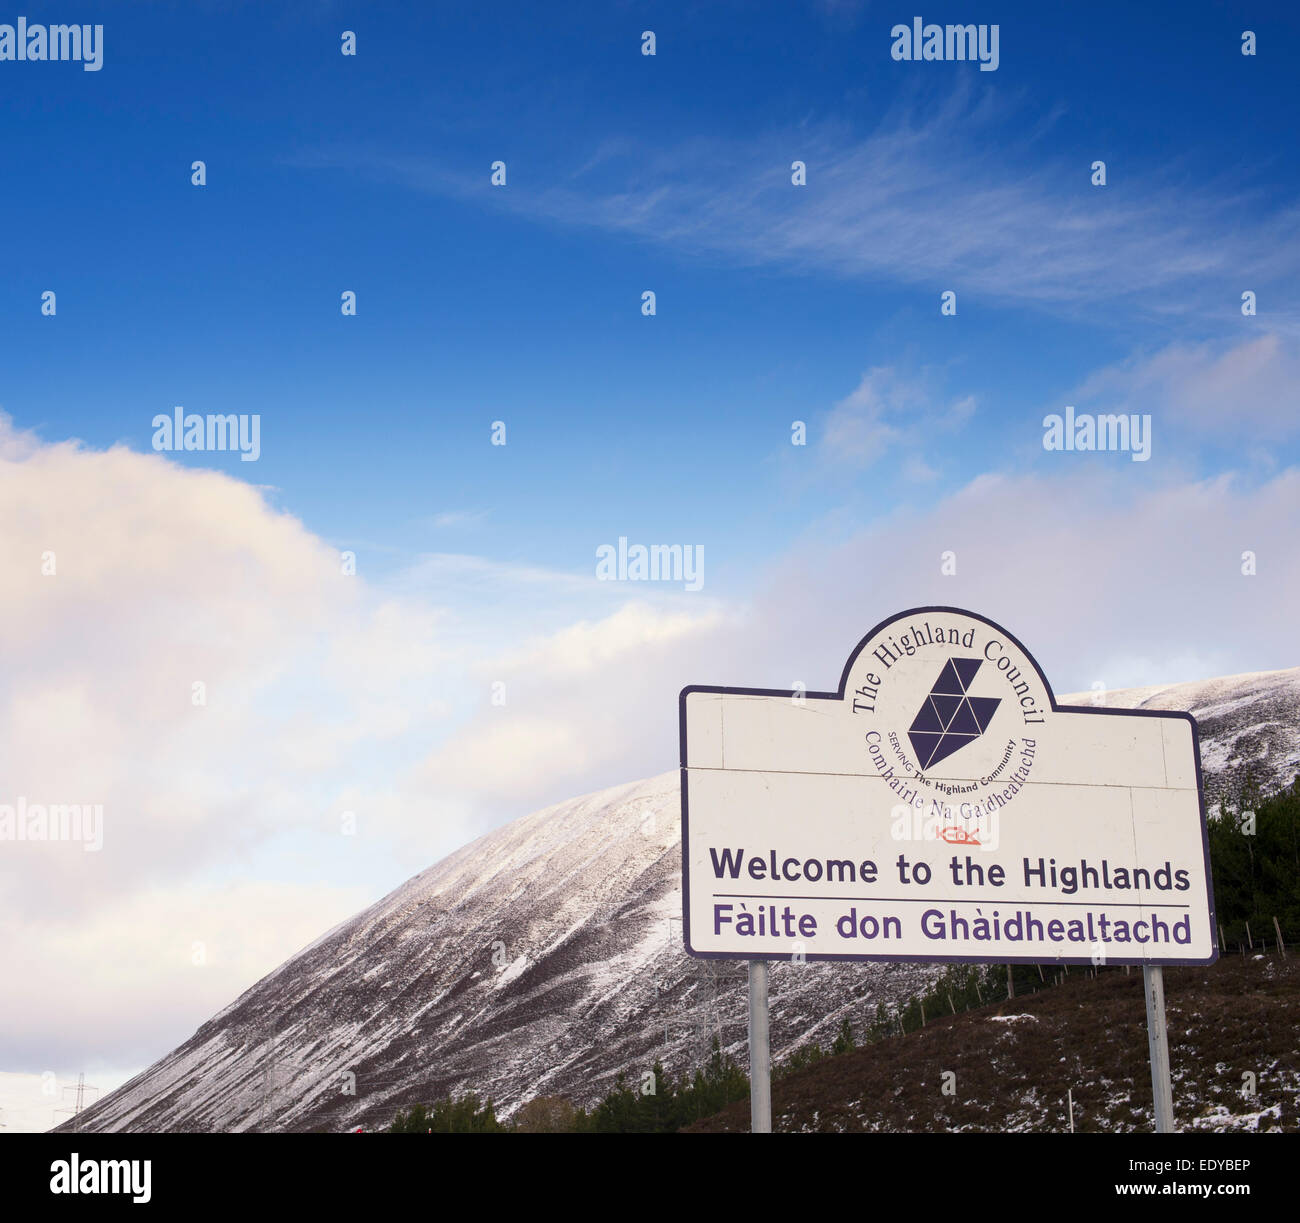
940,806
760,1051
1162,1091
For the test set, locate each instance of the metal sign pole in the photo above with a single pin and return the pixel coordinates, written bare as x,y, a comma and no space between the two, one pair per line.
760,1055
1153,981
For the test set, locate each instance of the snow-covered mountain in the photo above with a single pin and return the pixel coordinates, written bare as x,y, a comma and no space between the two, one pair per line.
545,959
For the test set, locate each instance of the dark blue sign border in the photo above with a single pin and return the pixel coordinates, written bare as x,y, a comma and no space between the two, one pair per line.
999,958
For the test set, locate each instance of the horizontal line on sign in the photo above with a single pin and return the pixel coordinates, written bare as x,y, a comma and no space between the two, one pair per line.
923,900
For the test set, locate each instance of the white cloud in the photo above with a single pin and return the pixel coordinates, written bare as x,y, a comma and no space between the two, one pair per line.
889,411
576,704
164,577
324,696
1104,579
33,1103
167,949
581,648
455,578
1248,390
139,975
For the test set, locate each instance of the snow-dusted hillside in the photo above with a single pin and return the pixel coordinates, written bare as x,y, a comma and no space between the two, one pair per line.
545,958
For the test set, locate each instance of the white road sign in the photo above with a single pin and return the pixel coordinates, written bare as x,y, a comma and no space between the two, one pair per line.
941,806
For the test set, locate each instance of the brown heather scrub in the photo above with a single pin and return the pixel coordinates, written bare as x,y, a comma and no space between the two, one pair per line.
1014,1061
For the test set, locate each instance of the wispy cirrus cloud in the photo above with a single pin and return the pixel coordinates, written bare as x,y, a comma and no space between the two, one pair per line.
917,201
458,518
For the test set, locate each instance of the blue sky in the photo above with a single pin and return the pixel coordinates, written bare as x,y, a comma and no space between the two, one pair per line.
522,303
476,563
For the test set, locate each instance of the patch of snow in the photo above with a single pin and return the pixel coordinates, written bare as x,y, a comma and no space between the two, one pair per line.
511,971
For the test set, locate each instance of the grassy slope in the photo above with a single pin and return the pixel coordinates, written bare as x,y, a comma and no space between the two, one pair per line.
1014,1061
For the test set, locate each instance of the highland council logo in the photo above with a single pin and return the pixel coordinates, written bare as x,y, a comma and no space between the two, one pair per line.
952,712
